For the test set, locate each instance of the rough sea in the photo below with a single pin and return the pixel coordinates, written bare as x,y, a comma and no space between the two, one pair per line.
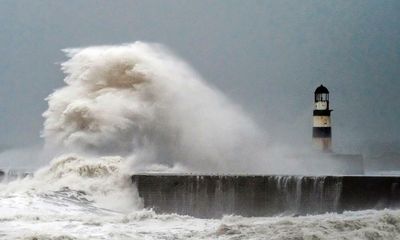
86,198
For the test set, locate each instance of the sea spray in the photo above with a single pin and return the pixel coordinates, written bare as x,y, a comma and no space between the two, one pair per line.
140,101
103,181
130,108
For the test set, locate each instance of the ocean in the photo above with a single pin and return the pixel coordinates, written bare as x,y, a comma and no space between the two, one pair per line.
80,198
67,214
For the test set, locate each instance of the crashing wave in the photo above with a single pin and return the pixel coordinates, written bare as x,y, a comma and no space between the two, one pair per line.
141,101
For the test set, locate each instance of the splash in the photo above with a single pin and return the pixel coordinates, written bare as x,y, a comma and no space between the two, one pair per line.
103,181
142,102
134,107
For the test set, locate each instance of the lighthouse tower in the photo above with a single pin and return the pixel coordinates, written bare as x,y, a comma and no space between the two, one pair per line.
322,133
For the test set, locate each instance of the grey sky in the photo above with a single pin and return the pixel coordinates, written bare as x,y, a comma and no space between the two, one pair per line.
267,56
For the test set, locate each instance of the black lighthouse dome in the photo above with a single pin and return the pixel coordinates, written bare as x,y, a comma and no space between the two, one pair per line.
321,89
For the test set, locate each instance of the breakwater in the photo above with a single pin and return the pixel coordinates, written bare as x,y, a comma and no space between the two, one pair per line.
12,174
212,196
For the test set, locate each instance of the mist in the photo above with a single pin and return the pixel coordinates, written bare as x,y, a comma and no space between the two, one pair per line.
266,57
142,102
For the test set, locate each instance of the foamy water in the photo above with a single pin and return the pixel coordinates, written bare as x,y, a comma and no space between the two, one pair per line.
58,215
77,197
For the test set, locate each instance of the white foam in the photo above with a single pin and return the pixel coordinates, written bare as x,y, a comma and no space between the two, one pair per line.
141,101
59,217
103,180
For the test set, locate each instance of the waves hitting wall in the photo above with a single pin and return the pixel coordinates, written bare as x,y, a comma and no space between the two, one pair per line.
214,196
142,102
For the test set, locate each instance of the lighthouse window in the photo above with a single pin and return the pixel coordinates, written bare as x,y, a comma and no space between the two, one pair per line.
322,97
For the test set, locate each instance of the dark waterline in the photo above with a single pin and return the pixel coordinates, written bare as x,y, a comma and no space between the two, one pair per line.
212,196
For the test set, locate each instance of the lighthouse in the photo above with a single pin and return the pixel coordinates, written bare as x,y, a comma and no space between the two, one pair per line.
322,132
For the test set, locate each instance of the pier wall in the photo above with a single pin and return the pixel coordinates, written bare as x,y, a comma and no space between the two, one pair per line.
209,196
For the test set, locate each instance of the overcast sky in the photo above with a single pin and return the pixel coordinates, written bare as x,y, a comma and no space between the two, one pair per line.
267,56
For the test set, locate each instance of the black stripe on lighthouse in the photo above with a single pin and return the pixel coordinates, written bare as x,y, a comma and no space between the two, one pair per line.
322,132
322,112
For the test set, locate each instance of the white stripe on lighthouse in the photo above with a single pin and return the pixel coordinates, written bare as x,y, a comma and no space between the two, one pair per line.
321,121
321,105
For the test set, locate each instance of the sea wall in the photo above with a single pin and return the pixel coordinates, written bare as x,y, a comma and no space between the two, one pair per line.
211,196
12,174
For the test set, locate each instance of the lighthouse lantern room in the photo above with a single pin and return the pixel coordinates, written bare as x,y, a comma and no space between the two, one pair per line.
322,133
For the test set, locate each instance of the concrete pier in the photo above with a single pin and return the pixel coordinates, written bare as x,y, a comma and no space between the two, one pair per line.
212,196
13,174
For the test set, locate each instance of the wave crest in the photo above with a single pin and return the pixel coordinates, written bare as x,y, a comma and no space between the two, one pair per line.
140,100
